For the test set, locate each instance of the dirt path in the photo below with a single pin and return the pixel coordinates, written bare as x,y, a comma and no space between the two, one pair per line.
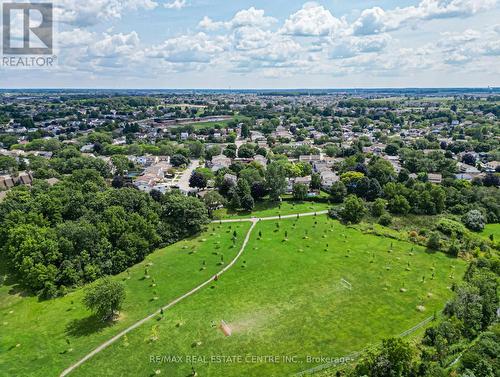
271,217
253,220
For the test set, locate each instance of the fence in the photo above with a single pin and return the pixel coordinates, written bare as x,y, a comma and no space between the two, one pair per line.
355,355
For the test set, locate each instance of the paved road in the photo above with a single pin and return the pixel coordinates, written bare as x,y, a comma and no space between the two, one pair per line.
186,174
253,220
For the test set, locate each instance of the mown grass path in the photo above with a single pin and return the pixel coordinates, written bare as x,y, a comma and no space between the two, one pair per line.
253,220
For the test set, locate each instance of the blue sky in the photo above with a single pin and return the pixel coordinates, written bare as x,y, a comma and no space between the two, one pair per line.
271,44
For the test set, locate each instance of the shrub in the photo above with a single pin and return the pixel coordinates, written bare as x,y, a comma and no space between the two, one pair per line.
474,220
399,205
434,241
385,219
449,227
353,210
378,207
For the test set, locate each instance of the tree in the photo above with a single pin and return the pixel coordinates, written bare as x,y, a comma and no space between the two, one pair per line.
245,130
234,201
351,180
258,190
156,195
179,160
338,192
250,175
105,298
381,170
185,213
474,220
373,190
121,163
275,179
403,175
118,181
393,360
468,307
469,159
246,151
196,148
315,181
378,207
491,180
392,149
229,152
353,209
300,191
213,200
8,164
242,188
247,202
212,151
197,180
399,205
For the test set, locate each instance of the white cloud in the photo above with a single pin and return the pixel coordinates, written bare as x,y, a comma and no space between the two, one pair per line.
460,48
310,41
75,38
210,25
176,4
197,48
351,46
246,17
114,45
251,38
252,17
377,20
86,13
312,20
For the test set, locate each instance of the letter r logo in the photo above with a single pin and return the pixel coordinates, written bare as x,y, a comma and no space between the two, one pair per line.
25,24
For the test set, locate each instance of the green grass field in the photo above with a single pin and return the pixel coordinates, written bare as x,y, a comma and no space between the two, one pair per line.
34,333
268,208
201,125
491,229
284,299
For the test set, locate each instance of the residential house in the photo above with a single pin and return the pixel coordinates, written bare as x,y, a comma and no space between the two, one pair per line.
434,178
219,162
328,178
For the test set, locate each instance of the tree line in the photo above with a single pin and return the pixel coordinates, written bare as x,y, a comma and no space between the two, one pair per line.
80,229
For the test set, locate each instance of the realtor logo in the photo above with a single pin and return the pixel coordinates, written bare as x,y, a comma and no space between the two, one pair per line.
27,28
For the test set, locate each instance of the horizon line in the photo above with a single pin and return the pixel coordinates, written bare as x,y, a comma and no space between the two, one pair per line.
264,89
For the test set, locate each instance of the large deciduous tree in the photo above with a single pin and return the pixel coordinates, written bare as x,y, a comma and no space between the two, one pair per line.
105,298
276,179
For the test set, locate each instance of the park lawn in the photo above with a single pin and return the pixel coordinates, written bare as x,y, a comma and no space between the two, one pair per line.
491,229
202,125
40,328
267,208
285,298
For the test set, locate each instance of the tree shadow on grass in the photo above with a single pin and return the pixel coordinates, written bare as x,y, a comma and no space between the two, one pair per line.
87,326
260,205
9,279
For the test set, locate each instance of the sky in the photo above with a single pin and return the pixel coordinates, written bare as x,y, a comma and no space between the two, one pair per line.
270,44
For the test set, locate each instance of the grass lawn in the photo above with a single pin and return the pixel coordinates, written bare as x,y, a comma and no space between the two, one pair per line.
493,229
285,299
268,208
201,125
34,333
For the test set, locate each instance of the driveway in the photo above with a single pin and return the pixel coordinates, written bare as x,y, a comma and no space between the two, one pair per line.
186,174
